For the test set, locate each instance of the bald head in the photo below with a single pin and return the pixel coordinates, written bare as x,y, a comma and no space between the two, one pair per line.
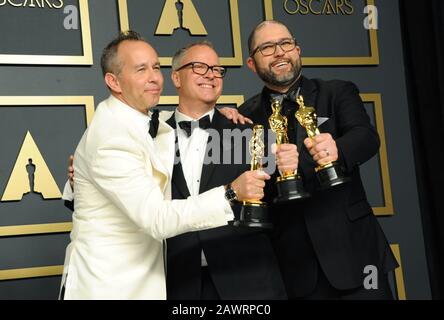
252,37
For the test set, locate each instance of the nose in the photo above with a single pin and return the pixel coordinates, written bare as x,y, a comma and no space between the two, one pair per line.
279,51
209,74
155,76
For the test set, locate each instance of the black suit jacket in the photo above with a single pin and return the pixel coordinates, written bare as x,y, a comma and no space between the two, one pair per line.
241,261
336,226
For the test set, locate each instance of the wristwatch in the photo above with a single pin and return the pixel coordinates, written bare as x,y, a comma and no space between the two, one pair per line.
230,194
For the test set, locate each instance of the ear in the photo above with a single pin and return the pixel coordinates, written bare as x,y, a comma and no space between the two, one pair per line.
298,49
251,64
112,82
176,79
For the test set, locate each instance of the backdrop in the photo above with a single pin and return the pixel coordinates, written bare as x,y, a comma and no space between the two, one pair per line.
50,82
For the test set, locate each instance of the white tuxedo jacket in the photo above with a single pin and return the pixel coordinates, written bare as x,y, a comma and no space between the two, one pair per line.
123,210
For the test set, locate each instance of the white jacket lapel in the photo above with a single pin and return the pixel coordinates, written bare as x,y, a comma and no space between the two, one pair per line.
160,153
165,147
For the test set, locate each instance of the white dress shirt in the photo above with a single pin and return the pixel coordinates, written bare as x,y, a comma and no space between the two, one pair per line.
192,154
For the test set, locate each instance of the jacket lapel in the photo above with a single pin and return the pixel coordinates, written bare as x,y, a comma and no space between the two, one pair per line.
209,167
158,152
178,178
257,112
163,153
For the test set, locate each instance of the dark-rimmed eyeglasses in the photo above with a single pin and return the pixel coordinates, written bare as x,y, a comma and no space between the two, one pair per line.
269,48
201,69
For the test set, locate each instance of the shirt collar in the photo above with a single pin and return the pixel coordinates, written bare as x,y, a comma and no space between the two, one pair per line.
179,116
267,91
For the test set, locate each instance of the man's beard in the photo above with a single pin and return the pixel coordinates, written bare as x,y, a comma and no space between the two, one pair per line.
283,80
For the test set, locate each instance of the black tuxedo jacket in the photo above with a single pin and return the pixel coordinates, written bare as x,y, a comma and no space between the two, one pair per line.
335,227
241,261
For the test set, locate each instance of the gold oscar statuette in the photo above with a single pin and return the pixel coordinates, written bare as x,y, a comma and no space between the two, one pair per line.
254,212
289,184
331,173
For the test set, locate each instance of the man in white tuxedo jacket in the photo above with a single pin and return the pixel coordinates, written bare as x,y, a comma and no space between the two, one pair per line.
123,210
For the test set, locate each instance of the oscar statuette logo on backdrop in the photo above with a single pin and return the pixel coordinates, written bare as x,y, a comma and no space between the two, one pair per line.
30,175
180,14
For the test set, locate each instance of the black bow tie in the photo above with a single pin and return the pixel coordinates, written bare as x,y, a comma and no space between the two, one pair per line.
290,96
154,123
188,126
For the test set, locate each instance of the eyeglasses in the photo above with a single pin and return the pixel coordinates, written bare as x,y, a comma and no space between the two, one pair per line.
269,48
201,68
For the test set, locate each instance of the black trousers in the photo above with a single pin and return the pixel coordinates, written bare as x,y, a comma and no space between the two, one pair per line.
208,289
62,293
325,291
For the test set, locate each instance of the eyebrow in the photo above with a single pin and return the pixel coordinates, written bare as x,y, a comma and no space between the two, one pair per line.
137,66
273,42
214,65
145,64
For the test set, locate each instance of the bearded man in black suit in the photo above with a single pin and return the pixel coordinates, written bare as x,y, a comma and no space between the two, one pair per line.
325,242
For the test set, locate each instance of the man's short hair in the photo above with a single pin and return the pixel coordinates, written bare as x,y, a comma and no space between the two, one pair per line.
260,26
108,61
178,56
